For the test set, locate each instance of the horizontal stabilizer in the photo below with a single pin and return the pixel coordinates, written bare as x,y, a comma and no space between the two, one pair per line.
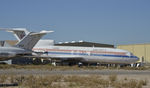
42,32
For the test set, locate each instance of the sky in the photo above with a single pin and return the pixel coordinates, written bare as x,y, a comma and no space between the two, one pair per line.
101,21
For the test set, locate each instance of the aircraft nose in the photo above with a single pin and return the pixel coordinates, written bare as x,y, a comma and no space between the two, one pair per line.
136,58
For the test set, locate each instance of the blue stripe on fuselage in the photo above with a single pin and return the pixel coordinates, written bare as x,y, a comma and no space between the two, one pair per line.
85,54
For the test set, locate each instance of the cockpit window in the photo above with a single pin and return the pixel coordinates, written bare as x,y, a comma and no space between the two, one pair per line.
131,54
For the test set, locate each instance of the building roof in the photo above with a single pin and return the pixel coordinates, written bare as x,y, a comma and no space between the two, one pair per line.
134,44
11,42
73,43
8,42
85,44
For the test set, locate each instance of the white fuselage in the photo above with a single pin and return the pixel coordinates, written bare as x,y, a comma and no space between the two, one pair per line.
88,54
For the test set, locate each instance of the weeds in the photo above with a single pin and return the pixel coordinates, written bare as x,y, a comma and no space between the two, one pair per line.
3,78
125,79
50,67
143,82
72,81
112,78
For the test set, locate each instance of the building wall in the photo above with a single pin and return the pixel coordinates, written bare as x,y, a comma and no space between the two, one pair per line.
140,50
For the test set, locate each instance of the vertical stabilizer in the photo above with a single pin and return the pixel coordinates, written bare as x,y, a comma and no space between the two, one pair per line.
29,41
19,33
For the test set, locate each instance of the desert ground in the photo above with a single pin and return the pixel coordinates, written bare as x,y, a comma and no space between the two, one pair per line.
73,77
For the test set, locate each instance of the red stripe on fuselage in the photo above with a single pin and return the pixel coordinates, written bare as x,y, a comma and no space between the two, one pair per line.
80,51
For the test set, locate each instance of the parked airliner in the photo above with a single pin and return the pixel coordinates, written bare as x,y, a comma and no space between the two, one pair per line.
84,54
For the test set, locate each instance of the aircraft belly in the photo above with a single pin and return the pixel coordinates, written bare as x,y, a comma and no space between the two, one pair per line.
102,59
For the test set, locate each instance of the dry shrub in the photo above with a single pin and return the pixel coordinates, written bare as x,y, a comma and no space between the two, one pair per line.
74,81
139,85
125,79
128,84
20,79
87,81
112,78
3,78
32,82
117,85
12,79
143,82
132,83
40,81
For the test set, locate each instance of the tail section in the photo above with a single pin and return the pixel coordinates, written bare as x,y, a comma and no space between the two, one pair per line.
30,40
19,33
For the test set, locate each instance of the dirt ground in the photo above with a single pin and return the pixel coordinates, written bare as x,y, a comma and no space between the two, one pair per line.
91,75
119,77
